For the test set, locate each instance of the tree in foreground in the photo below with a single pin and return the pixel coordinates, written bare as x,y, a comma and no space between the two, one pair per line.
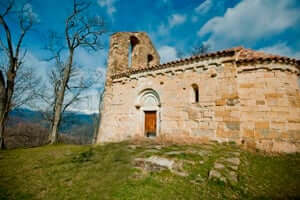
78,83
197,49
14,82
81,30
200,49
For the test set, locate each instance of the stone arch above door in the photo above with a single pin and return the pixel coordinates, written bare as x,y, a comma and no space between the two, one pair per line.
148,105
148,98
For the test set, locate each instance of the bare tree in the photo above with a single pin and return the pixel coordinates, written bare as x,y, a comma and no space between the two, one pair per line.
80,31
77,85
26,86
14,54
200,49
197,49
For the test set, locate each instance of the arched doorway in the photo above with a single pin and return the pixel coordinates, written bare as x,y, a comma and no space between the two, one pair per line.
149,106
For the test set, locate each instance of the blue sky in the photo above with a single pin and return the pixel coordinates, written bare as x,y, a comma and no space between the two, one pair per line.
174,25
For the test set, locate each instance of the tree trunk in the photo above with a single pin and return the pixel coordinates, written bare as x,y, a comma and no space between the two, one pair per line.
6,94
2,108
60,100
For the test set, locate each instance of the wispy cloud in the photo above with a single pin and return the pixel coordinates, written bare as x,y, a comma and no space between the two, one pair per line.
28,12
281,49
163,29
173,20
204,7
109,5
167,53
251,20
176,19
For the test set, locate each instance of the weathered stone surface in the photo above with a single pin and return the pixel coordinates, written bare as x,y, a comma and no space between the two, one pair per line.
156,163
170,153
232,177
256,102
216,175
219,166
233,161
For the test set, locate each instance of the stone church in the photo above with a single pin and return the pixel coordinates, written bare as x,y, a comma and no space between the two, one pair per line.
236,94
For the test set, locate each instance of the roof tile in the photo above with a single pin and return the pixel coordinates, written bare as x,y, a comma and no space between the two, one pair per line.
243,55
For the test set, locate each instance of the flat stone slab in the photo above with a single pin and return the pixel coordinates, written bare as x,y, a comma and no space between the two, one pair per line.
214,174
233,161
219,166
174,153
151,151
232,177
237,154
225,170
156,163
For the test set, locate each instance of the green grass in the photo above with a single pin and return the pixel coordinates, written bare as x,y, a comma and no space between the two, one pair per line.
107,172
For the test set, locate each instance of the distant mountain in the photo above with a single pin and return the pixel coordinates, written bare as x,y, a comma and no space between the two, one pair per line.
71,120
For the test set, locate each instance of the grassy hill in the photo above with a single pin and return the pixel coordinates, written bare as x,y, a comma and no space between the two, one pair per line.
130,171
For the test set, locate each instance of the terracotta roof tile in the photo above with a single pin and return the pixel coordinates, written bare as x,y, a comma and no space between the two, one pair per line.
242,55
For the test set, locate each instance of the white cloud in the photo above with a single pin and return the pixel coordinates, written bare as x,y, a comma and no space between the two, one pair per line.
281,49
167,53
110,6
251,20
91,66
176,19
28,12
163,29
40,66
204,7
173,20
89,104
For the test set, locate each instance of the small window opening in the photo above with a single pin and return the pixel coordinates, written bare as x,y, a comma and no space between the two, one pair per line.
196,93
149,59
133,42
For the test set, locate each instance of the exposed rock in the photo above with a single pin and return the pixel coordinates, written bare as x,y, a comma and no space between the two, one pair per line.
204,153
232,177
156,163
234,161
189,162
174,153
151,151
234,167
237,154
132,147
155,147
216,175
219,166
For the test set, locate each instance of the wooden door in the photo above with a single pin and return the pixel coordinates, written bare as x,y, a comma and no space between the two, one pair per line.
150,123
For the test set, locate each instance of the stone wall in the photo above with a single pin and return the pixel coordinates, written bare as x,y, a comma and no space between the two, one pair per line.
269,106
257,104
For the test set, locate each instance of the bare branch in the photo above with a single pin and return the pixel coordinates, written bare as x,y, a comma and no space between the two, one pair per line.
8,8
8,37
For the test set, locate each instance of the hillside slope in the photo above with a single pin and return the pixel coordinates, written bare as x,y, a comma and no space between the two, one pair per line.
147,171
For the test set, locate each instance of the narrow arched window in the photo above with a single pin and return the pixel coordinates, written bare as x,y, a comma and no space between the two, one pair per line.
133,42
149,59
195,93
